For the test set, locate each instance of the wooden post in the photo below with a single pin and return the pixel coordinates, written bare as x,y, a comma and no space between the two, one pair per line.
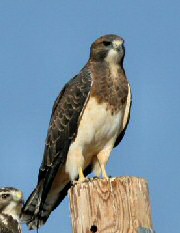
120,205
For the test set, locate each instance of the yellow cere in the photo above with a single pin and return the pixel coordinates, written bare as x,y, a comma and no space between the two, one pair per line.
19,195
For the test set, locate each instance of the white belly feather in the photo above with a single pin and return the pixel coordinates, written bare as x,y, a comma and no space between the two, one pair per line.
97,128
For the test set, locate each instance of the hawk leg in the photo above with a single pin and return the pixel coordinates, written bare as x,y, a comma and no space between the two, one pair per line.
81,175
104,173
103,158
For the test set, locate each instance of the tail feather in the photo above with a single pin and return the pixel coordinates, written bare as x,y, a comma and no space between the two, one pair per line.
31,207
35,213
37,210
38,206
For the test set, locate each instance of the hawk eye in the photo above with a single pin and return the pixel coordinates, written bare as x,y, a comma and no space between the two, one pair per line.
106,43
4,196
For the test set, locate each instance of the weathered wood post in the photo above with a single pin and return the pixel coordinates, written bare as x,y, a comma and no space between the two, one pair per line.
120,205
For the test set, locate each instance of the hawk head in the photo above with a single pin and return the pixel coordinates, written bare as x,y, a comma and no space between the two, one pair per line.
109,48
11,202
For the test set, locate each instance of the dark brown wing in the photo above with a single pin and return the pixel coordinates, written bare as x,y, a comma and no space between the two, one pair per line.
63,126
65,118
122,133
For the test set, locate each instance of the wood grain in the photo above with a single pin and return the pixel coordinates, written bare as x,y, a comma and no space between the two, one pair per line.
119,205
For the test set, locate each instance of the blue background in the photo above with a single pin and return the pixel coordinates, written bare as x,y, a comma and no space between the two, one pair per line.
44,43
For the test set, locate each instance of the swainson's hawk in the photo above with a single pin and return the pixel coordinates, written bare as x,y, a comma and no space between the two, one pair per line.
11,202
88,119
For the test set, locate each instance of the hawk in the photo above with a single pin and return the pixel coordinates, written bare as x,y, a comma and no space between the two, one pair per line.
11,202
88,120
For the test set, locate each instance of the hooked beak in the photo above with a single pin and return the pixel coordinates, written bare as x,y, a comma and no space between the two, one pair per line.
117,44
18,197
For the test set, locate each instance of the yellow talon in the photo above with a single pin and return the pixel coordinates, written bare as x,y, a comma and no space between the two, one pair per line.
81,175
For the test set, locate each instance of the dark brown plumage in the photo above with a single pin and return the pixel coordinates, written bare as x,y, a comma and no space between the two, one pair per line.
108,90
62,130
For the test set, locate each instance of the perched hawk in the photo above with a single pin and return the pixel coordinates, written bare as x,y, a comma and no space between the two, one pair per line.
88,119
11,202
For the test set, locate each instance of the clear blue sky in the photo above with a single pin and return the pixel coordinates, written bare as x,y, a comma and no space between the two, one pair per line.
44,43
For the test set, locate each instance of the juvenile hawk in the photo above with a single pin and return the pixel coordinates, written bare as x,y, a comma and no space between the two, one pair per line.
88,119
11,202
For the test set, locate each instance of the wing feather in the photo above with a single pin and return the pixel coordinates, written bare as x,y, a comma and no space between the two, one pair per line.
122,132
63,127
